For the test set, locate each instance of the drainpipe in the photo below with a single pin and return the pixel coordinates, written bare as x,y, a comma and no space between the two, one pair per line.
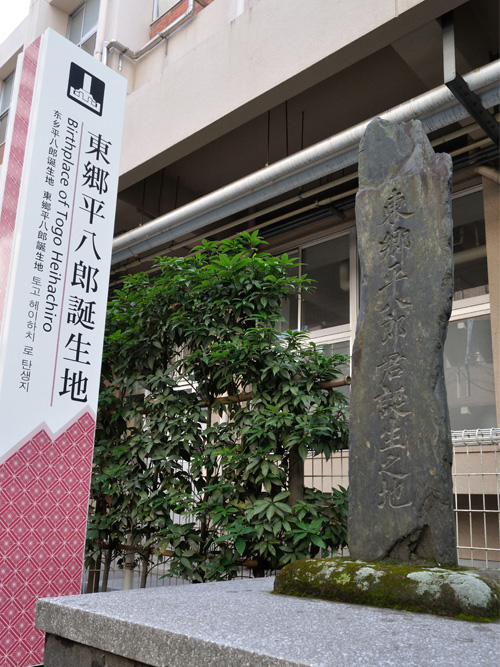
114,44
101,29
435,109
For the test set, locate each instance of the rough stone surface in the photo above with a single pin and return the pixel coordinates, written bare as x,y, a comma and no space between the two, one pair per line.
400,485
240,623
60,652
458,592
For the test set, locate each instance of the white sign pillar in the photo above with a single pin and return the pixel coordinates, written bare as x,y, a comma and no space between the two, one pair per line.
60,178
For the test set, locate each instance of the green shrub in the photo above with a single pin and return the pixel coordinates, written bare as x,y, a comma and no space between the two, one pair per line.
206,414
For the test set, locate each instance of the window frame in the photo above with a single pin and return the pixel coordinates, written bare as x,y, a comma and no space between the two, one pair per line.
462,309
156,9
470,302
84,37
463,315
343,332
5,110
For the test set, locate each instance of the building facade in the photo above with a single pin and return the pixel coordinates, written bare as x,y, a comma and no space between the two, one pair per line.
247,114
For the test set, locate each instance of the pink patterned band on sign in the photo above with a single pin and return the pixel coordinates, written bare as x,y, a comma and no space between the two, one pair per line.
44,491
15,164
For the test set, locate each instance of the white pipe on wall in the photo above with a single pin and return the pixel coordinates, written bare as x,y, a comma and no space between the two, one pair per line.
101,29
114,44
435,109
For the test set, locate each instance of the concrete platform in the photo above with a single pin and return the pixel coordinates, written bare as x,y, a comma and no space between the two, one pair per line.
239,623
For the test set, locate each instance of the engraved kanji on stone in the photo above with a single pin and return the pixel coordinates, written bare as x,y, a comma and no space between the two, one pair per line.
393,324
392,436
392,401
394,273
394,207
391,459
391,368
393,490
394,243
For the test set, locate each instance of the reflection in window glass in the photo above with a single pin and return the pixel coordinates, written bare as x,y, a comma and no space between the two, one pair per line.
89,45
328,304
469,247
75,24
160,7
3,127
5,100
82,25
340,348
468,367
337,348
91,17
290,307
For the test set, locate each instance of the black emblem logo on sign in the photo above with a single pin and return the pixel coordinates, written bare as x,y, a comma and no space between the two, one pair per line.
86,89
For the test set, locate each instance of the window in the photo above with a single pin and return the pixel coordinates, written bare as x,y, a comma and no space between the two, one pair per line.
161,7
327,310
82,26
468,367
469,246
468,356
327,264
5,100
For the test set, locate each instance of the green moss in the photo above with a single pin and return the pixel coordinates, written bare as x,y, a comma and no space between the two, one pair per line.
451,591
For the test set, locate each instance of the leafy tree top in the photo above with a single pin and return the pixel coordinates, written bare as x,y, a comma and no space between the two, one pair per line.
209,297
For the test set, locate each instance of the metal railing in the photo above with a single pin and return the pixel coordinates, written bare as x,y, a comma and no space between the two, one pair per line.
476,490
476,487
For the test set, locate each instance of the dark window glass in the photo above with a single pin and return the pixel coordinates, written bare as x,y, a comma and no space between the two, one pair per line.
328,304
469,247
468,365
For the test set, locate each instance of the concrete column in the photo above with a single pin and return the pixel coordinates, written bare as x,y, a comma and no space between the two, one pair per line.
491,200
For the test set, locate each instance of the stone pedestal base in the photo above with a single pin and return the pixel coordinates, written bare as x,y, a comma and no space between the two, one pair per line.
241,623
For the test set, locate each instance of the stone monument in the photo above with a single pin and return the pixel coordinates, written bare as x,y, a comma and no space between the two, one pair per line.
400,485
